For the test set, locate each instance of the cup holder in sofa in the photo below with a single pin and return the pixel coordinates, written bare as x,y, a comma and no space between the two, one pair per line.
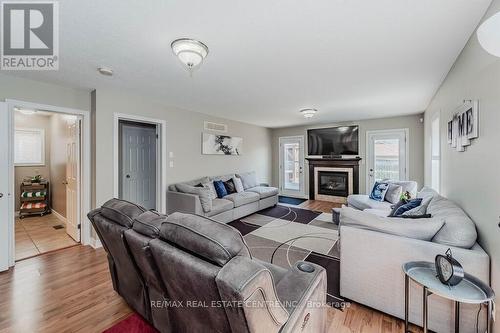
304,267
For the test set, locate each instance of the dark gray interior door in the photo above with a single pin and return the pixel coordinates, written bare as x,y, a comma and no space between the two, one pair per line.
138,163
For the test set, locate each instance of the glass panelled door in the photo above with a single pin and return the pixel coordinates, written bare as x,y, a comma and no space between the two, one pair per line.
292,166
386,154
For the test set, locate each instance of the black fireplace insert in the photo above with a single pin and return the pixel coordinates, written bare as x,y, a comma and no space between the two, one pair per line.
335,183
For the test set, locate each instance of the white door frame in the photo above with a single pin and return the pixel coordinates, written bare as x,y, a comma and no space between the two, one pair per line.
85,181
369,153
302,193
161,152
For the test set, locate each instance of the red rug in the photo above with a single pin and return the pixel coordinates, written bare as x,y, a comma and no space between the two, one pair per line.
132,324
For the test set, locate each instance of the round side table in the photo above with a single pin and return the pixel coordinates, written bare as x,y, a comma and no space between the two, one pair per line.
470,290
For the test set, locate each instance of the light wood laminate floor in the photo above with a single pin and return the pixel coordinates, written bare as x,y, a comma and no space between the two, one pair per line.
36,235
70,290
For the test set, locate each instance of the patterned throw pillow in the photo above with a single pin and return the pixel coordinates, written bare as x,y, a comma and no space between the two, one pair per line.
379,190
406,207
238,184
220,189
229,185
419,210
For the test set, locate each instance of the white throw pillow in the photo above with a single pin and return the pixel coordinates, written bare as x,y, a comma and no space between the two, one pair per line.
211,188
238,184
393,193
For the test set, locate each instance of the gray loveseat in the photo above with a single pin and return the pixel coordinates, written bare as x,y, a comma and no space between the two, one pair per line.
374,247
187,273
255,197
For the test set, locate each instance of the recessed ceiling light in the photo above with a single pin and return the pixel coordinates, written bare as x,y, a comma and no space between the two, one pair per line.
24,111
308,113
190,52
105,71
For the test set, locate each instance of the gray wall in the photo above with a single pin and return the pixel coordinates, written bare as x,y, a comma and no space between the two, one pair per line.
471,178
416,133
184,130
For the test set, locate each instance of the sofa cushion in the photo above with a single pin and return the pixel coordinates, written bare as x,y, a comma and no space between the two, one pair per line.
219,206
222,177
202,192
194,182
214,241
379,190
393,193
363,201
149,223
249,179
220,189
240,199
423,229
121,211
407,185
263,191
211,188
459,230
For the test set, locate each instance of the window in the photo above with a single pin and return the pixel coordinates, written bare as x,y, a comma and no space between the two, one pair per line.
29,146
435,155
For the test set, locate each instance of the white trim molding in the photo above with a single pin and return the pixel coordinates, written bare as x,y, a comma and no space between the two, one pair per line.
161,169
86,228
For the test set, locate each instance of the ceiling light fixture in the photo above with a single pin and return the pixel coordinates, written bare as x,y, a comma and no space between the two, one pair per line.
190,52
308,113
105,71
488,33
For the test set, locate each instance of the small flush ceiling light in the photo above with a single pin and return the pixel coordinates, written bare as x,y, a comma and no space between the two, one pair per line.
106,71
190,52
488,35
308,113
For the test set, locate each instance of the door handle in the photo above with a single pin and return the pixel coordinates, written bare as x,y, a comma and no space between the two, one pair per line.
127,176
65,182
1,195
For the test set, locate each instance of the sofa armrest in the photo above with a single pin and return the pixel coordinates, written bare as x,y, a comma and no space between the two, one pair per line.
183,202
249,283
371,273
304,296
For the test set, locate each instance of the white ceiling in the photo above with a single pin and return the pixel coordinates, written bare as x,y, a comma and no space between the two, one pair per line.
350,59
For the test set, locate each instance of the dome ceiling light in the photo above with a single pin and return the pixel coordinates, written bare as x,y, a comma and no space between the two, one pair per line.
488,35
190,52
308,113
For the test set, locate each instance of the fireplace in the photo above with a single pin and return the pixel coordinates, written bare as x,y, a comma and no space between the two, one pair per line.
334,183
333,179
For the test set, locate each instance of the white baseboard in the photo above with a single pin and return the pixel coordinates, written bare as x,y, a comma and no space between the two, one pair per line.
95,243
59,216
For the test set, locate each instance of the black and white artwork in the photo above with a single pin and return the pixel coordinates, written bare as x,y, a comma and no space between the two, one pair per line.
464,126
214,144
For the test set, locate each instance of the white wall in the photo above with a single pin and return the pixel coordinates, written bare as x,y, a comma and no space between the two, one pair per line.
184,130
472,178
416,134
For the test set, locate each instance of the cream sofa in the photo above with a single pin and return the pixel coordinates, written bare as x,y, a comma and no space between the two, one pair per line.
372,256
234,206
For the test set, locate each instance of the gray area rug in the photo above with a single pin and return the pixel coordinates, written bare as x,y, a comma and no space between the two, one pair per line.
283,235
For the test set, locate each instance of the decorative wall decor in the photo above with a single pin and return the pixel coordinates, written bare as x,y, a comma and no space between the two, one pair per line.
464,126
214,144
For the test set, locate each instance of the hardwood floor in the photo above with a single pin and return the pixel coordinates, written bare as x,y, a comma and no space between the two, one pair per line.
36,235
70,290
321,206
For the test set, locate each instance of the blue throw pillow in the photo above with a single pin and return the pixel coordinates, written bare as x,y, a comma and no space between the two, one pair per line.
220,189
406,207
379,190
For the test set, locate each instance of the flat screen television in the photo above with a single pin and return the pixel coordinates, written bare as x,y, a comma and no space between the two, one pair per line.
333,141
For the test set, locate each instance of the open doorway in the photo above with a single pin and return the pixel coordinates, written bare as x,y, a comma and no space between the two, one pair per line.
47,176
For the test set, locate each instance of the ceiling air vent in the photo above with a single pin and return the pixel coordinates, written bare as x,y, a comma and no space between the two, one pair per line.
210,126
